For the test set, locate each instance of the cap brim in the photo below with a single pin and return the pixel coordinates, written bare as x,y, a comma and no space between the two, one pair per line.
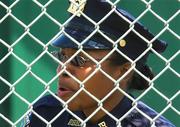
64,42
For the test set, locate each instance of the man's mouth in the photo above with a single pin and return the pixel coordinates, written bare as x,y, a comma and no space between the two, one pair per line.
64,91
66,87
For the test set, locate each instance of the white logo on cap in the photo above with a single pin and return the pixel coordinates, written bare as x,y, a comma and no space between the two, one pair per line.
77,6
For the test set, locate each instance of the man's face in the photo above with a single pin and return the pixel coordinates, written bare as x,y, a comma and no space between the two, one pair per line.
99,85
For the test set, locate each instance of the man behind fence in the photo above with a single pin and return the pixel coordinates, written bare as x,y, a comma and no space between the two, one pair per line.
99,84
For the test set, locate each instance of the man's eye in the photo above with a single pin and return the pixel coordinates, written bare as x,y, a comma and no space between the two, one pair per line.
80,60
62,57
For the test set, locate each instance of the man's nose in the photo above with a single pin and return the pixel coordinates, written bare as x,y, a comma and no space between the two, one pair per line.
59,68
68,67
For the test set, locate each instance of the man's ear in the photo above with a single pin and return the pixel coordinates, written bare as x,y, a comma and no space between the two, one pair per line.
123,69
126,66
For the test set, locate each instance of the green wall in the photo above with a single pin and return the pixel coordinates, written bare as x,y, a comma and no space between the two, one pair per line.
4,70
44,29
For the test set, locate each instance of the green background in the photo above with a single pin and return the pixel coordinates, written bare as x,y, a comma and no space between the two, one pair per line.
44,29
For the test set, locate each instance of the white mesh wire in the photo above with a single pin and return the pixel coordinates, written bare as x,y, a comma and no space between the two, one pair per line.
27,28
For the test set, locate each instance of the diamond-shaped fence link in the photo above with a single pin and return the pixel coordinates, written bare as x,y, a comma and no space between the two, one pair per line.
27,29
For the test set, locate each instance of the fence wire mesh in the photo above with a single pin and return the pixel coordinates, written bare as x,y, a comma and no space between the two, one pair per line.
44,49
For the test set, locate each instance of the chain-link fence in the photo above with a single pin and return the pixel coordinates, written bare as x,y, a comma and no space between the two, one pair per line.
28,72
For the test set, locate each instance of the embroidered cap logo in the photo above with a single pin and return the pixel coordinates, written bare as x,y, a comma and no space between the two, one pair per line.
77,6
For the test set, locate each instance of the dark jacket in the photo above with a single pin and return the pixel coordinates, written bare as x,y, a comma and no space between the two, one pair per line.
48,107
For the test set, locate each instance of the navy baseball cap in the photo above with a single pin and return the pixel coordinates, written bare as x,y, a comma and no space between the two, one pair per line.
114,26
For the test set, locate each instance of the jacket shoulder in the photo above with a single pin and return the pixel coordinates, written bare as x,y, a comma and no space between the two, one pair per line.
46,107
139,120
48,100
